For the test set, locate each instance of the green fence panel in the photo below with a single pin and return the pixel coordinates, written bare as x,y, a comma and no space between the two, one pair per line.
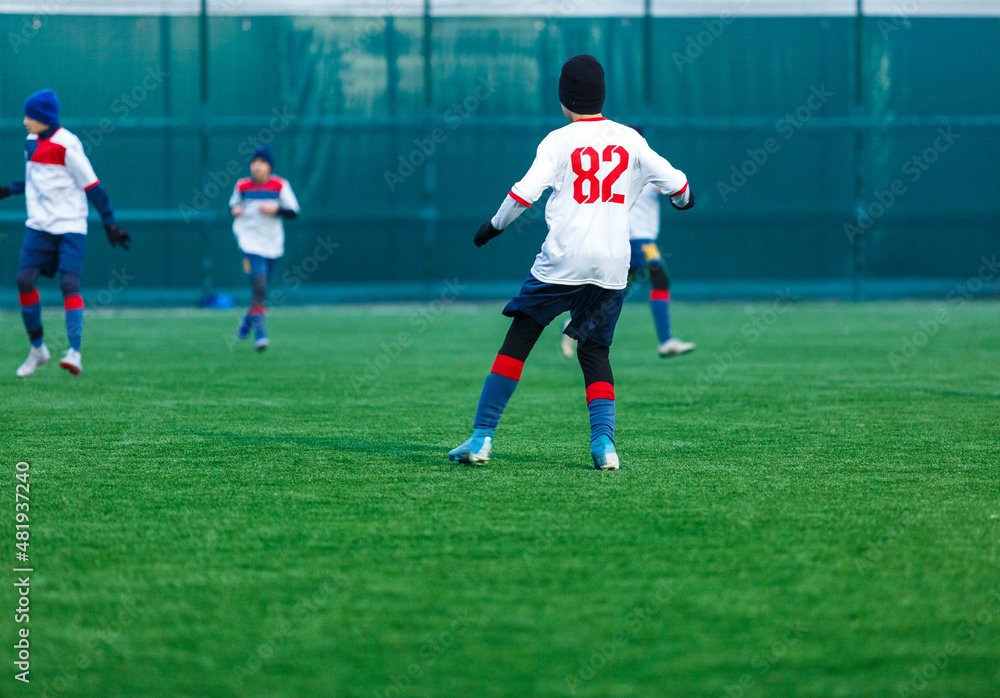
395,174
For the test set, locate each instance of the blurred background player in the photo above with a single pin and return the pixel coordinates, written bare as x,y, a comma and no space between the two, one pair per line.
596,168
58,183
258,204
643,229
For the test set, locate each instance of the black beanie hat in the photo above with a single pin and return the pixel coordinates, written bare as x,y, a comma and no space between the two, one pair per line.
581,85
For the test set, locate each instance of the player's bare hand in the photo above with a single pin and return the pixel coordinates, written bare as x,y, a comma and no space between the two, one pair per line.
486,233
117,236
237,211
269,209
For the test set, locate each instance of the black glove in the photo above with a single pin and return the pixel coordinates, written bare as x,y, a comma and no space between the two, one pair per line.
685,207
117,236
4,192
486,233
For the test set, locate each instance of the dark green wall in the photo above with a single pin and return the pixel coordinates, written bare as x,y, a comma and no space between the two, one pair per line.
354,95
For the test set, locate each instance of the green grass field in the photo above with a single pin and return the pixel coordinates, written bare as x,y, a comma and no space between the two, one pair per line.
799,513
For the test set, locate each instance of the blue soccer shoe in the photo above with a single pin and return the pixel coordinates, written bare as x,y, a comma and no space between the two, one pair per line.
476,450
603,452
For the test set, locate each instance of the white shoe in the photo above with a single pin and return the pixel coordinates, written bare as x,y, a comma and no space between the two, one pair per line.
71,362
675,347
568,343
603,452
38,356
475,451
262,343
606,461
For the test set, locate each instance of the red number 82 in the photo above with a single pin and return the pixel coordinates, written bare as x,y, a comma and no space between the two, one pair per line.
595,188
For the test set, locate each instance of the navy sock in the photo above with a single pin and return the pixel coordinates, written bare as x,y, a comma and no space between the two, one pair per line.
74,321
601,403
31,313
497,389
659,303
257,320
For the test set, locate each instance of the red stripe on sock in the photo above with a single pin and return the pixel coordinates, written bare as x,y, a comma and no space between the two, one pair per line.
600,389
73,302
29,298
659,294
258,310
507,367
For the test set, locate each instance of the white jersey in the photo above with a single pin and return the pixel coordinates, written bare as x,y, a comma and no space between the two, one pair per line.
644,216
57,174
256,232
596,169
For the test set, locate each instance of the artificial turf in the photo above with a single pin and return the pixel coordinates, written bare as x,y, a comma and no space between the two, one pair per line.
799,513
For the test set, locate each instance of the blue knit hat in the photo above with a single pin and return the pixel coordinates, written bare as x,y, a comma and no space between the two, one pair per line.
43,106
264,153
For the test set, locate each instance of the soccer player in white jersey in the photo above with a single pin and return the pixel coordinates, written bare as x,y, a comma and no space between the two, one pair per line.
59,182
596,168
643,229
259,205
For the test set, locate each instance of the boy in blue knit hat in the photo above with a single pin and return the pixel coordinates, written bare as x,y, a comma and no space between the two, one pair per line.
259,204
58,183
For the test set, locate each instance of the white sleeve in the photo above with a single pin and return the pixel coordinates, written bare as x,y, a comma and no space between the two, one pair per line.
286,197
79,166
508,211
666,177
236,198
540,176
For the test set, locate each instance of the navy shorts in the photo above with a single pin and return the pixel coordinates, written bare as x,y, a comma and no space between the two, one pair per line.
593,310
255,264
51,253
644,254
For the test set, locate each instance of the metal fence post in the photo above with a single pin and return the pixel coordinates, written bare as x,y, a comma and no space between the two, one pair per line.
430,211
204,236
859,241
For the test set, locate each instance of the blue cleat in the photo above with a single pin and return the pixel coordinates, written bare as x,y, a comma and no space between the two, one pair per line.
243,331
475,451
603,451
